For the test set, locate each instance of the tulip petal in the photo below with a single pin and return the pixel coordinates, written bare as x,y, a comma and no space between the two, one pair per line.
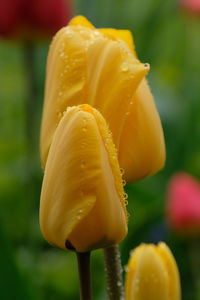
144,153
65,82
150,280
152,274
124,35
131,270
86,67
82,194
113,75
172,270
82,21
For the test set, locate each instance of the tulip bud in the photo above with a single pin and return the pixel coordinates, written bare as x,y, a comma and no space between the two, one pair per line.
82,201
152,274
9,17
183,204
191,6
47,16
100,67
34,18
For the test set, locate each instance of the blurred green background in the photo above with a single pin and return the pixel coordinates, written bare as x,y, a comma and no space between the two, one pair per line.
169,40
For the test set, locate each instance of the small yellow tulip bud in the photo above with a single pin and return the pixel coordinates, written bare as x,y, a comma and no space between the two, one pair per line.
152,274
82,201
100,67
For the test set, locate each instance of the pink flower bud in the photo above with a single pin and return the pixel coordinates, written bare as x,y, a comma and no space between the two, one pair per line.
183,203
191,6
31,19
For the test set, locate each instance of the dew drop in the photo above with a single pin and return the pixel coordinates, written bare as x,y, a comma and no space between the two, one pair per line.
80,213
82,164
83,145
119,283
146,66
126,202
124,182
127,113
125,196
131,103
125,67
96,33
122,171
126,268
107,140
84,129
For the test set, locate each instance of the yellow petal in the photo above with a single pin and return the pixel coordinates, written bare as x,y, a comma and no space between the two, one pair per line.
124,35
82,194
65,82
172,270
149,274
131,270
84,66
99,67
142,147
80,20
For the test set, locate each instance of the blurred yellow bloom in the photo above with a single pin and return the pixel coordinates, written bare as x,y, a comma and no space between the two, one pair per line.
100,67
152,274
82,200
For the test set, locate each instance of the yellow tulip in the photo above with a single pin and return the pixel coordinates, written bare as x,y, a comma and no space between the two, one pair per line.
82,201
100,67
152,274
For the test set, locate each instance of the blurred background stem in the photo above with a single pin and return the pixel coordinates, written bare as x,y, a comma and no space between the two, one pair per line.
31,102
194,255
84,275
113,271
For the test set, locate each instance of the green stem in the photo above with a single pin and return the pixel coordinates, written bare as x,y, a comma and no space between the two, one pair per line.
194,251
31,98
84,275
113,270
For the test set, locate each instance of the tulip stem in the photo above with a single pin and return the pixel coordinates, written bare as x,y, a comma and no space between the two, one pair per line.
194,250
84,275
113,271
31,98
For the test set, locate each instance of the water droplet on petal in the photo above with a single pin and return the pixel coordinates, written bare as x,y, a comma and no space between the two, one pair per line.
124,182
146,66
82,164
125,196
96,33
126,268
124,67
122,171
